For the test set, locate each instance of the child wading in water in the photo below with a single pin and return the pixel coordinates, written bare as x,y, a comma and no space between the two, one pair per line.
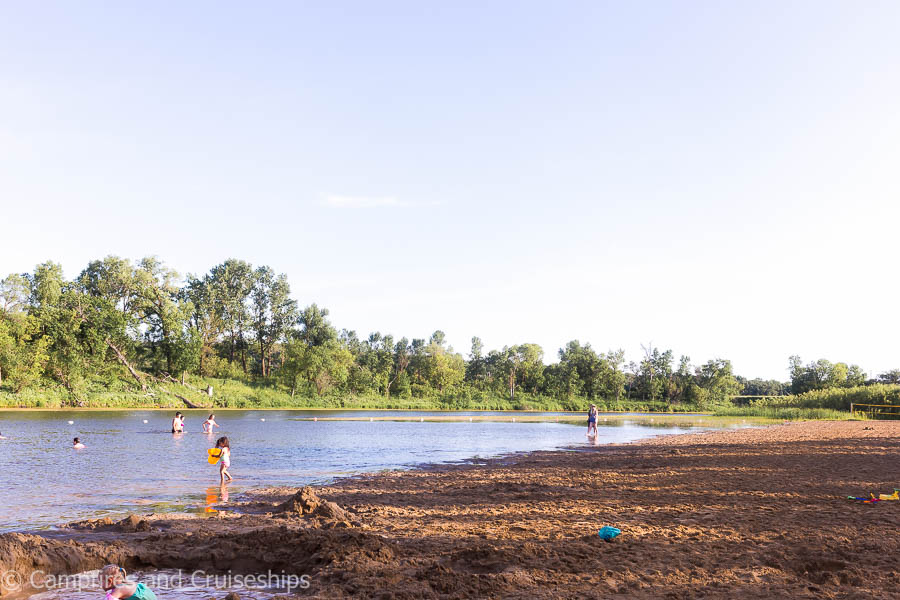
112,580
209,424
224,459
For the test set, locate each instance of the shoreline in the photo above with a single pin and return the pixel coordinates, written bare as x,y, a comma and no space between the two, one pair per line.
290,408
750,512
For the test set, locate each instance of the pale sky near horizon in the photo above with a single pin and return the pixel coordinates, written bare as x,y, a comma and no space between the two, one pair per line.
716,178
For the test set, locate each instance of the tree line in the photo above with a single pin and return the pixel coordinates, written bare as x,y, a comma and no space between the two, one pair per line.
145,322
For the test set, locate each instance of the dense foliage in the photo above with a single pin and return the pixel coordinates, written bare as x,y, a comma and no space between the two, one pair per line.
145,323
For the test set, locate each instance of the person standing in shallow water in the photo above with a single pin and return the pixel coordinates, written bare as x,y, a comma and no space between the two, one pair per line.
209,424
592,420
225,459
178,423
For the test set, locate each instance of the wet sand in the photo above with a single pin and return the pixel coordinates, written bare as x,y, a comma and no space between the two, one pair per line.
750,513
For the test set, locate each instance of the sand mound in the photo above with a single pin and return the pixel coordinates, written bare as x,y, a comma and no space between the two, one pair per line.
103,523
130,524
306,503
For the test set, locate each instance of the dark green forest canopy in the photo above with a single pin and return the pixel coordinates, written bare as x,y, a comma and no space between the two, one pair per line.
144,322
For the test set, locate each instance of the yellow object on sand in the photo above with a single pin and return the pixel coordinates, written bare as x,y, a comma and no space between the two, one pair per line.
214,455
894,496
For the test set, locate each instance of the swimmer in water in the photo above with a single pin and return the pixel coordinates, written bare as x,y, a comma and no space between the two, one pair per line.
209,424
2,437
76,443
113,582
178,423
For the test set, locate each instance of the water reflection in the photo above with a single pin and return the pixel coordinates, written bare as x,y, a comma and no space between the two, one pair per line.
215,496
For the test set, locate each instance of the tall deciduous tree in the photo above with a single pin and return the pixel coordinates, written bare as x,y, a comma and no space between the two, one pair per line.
273,312
231,284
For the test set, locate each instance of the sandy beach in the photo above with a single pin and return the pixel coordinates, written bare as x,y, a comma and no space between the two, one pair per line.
750,513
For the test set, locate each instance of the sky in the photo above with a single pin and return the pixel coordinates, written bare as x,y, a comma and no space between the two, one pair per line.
718,178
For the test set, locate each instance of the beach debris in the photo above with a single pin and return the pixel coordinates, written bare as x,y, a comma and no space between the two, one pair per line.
71,422
881,497
863,499
608,533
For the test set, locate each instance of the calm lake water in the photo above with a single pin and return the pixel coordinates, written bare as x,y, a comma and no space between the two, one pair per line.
133,463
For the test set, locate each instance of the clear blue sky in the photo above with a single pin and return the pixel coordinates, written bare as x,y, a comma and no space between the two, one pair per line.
719,178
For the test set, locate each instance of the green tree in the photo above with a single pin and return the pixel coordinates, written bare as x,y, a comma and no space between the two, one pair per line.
444,369
273,312
231,284
22,358
206,321
165,314
717,380
892,377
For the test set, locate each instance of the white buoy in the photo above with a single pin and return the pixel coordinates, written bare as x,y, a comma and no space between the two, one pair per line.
263,420
145,421
71,422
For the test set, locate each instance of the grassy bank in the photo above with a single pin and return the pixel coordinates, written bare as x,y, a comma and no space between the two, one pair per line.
825,404
786,413
241,394
833,404
237,393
